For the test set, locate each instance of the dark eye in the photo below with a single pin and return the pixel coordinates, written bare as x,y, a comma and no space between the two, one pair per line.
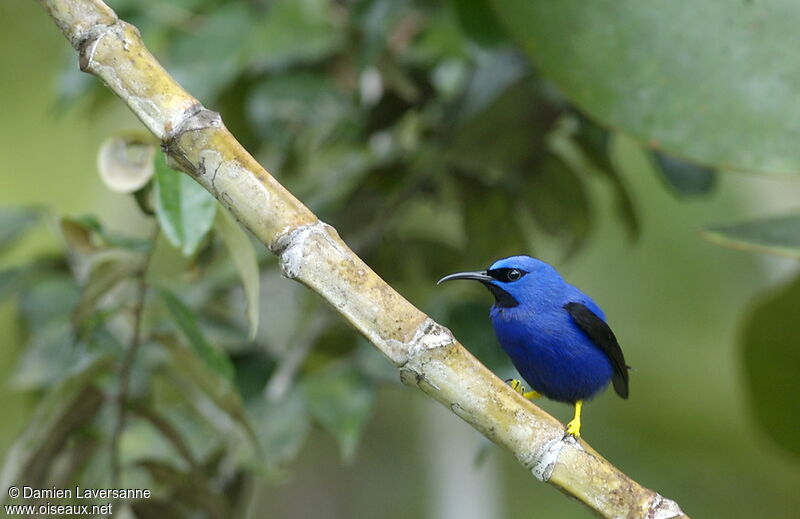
514,274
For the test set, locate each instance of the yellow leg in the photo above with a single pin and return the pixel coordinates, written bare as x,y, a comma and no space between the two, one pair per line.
574,426
517,386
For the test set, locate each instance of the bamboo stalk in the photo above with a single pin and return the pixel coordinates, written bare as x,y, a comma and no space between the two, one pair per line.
311,252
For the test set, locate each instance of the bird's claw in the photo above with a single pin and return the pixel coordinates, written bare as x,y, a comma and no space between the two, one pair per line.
574,428
517,386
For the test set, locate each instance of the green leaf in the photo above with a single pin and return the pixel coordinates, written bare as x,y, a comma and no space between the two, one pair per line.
332,174
467,319
196,493
684,178
484,206
779,235
12,280
594,143
228,26
186,320
244,257
517,108
372,364
73,403
84,233
52,298
14,223
479,22
771,357
702,80
281,426
50,351
558,202
78,234
375,20
494,74
297,104
433,219
294,32
167,431
341,400
211,383
185,210
106,271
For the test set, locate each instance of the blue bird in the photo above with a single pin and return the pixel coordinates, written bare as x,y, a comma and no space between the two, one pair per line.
556,336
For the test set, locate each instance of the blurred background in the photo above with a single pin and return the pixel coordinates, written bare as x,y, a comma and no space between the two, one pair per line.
436,137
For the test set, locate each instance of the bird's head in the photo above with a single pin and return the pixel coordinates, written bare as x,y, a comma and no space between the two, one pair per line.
512,280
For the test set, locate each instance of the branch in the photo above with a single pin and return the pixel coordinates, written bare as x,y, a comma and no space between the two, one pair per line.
311,252
129,358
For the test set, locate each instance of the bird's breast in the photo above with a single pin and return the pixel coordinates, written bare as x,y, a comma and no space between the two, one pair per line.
551,353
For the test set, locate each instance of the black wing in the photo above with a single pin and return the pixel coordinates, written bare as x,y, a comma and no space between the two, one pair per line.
600,333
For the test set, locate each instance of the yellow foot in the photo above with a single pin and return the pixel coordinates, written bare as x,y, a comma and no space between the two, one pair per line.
574,426
517,386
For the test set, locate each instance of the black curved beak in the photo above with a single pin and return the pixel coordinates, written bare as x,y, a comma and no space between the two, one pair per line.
477,276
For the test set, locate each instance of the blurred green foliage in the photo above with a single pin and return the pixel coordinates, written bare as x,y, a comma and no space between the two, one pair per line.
694,80
423,133
777,235
771,360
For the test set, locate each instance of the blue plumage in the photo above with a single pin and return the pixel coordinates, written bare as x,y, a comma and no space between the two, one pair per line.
555,335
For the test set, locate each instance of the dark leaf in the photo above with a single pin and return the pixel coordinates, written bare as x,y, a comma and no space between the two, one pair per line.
684,178
518,110
484,206
479,22
771,358
594,143
557,200
469,320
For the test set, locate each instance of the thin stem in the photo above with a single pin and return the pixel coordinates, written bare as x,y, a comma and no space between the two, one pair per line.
129,359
